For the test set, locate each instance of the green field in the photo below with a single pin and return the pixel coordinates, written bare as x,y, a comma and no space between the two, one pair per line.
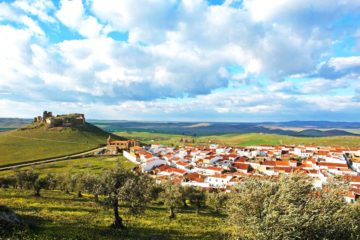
89,164
36,143
57,215
244,139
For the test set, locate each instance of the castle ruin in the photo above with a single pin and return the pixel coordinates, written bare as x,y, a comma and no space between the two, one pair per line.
66,120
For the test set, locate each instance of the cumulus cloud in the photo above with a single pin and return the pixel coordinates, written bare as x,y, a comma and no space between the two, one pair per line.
39,8
72,15
175,55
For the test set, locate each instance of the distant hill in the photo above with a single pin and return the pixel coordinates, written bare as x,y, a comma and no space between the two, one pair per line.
291,128
318,133
13,123
33,143
313,124
205,129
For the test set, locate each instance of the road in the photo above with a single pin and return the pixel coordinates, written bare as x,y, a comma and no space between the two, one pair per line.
55,159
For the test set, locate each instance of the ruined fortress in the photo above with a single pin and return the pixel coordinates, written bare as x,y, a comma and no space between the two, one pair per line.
66,120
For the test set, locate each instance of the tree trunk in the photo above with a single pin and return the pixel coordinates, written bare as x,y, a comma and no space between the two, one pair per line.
171,213
118,221
37,192
79,194
96,197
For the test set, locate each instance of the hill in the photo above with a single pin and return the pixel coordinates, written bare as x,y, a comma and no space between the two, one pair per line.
218,128
243,139
276,139
38,142
292,128
12,123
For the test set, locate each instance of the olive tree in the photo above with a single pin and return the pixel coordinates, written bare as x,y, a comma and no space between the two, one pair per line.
113,181
216,200
290,208
197,197
137,193
172,196
31,180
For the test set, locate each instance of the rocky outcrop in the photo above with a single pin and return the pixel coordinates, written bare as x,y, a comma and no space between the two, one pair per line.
8,218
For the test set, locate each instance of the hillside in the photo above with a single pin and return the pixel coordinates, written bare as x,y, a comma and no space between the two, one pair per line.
83,165
243,139
32,143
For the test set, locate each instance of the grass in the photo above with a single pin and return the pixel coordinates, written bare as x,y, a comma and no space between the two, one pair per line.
243,139
151,137
89,164
274,139
37,143
57,215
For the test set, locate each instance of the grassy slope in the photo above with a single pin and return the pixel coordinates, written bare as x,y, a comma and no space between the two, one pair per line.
57,215
256,139
89,164
37,143
244,139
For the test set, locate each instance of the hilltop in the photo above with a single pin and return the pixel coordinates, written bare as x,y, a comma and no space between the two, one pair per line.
36,141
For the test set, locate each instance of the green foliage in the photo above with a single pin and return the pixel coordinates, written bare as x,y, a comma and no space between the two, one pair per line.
290,208
216,200
197,197
7,181
137,193
29,179
172,195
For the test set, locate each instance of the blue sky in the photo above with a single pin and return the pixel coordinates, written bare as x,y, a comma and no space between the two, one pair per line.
182,60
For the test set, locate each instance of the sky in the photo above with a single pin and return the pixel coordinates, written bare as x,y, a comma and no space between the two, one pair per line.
181,60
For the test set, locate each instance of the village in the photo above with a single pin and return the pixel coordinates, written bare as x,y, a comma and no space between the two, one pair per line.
222,167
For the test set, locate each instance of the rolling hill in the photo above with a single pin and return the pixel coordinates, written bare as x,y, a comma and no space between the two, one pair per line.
33,143
218,128
243,139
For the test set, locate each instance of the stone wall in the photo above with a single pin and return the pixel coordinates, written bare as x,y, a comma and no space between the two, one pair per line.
67,120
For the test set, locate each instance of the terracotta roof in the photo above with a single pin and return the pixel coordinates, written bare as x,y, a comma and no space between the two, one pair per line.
194,177
214,168
175,170
282,163
352,178
182,163
242,166
331,164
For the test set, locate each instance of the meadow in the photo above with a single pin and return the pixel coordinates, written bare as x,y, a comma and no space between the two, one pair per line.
57,215
37,143
88,164
242,139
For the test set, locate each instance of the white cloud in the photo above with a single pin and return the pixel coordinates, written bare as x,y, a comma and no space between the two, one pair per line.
341,63
71,13
14,58
32,26
39,8
177,50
